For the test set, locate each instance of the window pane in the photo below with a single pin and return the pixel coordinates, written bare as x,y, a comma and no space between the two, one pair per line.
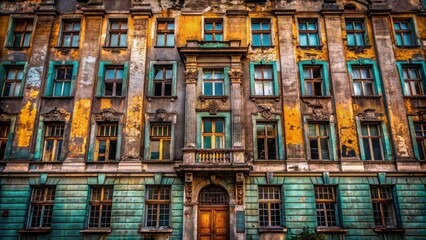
351,39
108,89
114,40
267,73
123,40
112,149
27,39
260,149
268,88
258,73
208,88
207,126
167,89
255,26
324,149
313,39
155,149
102,150
272,154
398,39
160,40
170,40
407,39
219,37
313,145
368,88
377,148
75,41
207,142
318,88
170,26
219,143
349,26
322,130
219,127
367,151
374,130
258,88
218,89
57,89
303,40
266,40
256,40
358,26
67,41
302,26
312,26
157,89
166,149
357,89
209,26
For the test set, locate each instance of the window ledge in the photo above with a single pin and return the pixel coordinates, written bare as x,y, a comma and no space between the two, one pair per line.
379,161
317,161
158,161
263,47
115,48
204,97
45,162
58,97
11,97
417,97
368,97
172,98
358,48
102,162
269,161
35,230
66,48
111,97
389,230
274,97
96,230
331,230
407,46
316,97
164,46
319,47
156,230
17,48
273,230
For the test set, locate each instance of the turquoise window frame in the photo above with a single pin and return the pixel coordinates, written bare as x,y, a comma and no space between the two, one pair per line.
226,84
385,140
8,149
11,26
92,145
374,70
324,71
51,76
101,78
151,76
4,66
226,116
421,64
273,64
415,36
411,120
332,138
365,35
278,122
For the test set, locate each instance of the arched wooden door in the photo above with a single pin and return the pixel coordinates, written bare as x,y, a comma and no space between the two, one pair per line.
213,214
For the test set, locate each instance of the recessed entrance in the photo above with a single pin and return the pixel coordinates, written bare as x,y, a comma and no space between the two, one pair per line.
213,214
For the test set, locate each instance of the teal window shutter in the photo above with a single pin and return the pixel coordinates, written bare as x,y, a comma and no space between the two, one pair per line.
413,33
125,79
50,79
10,35
74,77
226,83
100,84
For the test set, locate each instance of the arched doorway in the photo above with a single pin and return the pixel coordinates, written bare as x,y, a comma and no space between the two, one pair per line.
213,213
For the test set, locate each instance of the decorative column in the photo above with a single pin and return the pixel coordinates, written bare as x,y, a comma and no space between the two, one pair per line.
346,128
191,75
397,114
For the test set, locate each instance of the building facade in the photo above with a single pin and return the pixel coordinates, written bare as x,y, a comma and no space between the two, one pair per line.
212,119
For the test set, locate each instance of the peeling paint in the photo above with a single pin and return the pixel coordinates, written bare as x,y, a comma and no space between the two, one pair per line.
403,149
34,76
27,121
79,129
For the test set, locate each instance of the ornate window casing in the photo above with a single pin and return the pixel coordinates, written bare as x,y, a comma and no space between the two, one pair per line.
112,79
383,206
373,137
41,207
412,75
20,32
117,33
213,131
165,33
70,33
52,132
309,33
159,131
162,80
404,30
356,33
61,78
326,206
158,207
365,78
106,136
213,29
100,204
267,145
270,201
320,136
314,78
261,32
12,78
264,80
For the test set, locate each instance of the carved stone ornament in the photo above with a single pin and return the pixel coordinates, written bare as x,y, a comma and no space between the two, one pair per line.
370,115
265,106
240,188
160,115
236,75
213,107
109,114
191,76
56,114
188,187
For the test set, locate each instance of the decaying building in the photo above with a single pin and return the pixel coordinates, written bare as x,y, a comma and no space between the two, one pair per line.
212,119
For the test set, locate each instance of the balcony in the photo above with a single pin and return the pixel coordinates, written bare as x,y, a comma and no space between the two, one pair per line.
213,156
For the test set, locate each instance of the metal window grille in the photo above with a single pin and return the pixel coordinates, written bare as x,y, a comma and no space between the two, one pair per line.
213,195
100,207
269,206
158,206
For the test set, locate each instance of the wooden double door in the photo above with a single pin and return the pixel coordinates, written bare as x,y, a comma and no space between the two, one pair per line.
213,222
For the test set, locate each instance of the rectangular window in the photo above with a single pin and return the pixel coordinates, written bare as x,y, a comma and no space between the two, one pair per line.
213,29
213,82
70,33
319,141
158,206
113,85
12,81
62,81
355,33
117,33
100,207
163,78
372,141
53,139
413,85
41,207
213,133
269,206
420,129
383,206
266,141
106,142
363,81
165,33
4,132
261,32
308,33
160,138
21,33
263,81
313,80
325,199
404,32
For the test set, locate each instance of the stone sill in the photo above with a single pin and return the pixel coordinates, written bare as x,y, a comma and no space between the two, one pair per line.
358,48
158,161
45,162
155,230
35,230
273,230
17,48
416,97
11,97
367,97
262,47
270,161
274,97
205,97
319,47
58,97
389,230
164,46
111,97
172,98
407,46
378,161
316,97
324,161
96,230
102,162
331,230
